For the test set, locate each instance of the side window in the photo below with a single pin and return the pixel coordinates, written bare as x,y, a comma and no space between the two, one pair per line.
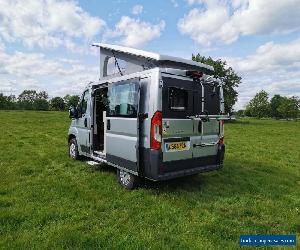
83,103
113,66
178,99
123,99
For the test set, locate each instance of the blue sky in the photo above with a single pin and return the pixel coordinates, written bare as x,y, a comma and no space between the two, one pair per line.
45,44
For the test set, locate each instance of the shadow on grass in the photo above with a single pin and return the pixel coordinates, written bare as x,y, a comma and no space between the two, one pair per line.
103,168
235,178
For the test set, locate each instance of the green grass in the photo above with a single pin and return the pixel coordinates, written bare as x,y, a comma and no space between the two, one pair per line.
50,201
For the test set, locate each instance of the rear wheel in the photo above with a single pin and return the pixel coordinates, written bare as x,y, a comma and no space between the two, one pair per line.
73,149
127,180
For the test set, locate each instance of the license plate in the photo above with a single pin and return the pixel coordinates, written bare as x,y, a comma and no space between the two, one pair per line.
177,146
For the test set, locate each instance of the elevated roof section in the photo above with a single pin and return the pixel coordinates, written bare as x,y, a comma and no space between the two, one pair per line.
150,55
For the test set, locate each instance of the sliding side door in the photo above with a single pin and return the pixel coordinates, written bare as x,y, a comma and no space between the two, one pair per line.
122,136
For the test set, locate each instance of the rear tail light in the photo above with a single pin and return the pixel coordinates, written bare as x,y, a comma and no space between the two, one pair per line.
156,130
221,140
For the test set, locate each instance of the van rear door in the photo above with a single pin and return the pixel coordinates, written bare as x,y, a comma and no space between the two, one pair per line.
184,136
207,135
177,129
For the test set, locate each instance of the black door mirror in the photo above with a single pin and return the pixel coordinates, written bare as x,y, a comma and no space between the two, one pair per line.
73,112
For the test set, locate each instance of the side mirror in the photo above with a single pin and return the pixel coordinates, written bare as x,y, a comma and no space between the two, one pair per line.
73,112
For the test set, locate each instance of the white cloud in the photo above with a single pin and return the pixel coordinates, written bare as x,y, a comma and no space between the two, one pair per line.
19,71
221,20
134,32
46,23
137,9
273,67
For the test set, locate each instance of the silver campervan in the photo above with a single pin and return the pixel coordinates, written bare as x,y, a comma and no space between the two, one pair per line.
150,116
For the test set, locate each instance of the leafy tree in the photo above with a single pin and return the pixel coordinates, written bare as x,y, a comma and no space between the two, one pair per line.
57,103
41,104
71,100
231,79
42,95
259,106
31,99
26,99
275,102
289,107
240,113
7,102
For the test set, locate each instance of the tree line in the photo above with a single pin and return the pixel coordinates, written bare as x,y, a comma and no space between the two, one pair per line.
278,107
33,100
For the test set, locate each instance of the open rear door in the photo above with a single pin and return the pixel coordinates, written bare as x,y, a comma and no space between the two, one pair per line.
122,133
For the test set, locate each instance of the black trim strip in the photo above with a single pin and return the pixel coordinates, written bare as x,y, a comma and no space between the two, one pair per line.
178,165
122,162
175,139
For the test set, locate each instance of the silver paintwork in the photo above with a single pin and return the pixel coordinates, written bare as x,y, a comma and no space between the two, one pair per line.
123,138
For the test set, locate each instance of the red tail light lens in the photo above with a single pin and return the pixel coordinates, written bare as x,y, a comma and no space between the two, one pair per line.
221,140
155,132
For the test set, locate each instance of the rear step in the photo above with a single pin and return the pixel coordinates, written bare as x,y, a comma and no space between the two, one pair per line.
93,163
97,159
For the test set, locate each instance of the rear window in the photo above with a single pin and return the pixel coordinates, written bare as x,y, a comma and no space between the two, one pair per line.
178,99
211,99
183,97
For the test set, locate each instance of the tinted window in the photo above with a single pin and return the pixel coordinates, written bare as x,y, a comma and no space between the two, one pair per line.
82,105
211,99
123,99
178,99
84,102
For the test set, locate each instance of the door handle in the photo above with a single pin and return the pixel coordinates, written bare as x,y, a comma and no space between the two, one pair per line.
200,127
85,122
108,125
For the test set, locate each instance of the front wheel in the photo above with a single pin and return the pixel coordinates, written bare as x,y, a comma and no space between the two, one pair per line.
73,149
127,180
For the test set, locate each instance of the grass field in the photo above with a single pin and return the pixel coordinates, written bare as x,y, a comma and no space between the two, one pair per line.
50,201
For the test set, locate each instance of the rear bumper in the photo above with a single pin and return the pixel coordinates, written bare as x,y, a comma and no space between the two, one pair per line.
156,169
186,172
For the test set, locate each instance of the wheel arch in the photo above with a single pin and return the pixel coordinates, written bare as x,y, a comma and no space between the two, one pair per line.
71,136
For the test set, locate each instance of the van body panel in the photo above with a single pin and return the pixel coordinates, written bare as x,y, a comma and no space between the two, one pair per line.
121,143
128,138
83,124
200,136
122,133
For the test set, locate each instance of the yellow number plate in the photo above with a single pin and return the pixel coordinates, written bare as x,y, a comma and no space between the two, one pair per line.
177,146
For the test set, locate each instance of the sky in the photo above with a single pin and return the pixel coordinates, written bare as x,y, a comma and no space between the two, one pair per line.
45,44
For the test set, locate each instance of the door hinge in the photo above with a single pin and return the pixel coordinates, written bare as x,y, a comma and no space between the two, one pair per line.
161,83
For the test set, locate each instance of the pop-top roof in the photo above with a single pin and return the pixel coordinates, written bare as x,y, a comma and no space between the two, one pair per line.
150,55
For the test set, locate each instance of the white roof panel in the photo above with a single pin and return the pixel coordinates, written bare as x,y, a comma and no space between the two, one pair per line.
150,55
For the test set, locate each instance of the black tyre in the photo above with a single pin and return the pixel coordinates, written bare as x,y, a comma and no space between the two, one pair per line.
73,149
127,180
